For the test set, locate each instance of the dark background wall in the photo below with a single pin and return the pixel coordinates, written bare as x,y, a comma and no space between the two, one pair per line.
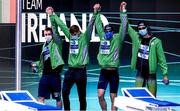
110,5
7,54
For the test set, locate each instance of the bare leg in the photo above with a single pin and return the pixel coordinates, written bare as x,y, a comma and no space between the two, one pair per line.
113,95
152,85
41,99
59,104
140,82
102,100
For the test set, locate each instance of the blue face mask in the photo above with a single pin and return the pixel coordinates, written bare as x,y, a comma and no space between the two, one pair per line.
143,32
108,35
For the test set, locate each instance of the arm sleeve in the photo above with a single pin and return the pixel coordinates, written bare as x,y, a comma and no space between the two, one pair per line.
89,29
56,36
132,33
39,68
99,26
123,25
56,21
161,58
37,63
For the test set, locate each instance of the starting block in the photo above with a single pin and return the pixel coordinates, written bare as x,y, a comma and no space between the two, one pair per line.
141,99
22,101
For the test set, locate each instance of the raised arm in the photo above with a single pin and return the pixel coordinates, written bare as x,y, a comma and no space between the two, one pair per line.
99,25
89,29
56,21
56,36
132,33
123,18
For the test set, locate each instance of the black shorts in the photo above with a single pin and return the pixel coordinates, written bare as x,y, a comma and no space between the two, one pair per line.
109,76
50,85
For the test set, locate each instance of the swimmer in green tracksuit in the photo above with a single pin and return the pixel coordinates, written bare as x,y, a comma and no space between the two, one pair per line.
78,58
147,52
109,59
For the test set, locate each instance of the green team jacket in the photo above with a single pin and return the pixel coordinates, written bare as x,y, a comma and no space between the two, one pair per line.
81,57
55,48
156,53
111,56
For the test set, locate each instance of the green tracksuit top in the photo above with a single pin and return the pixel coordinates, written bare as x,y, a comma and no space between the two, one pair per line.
109,50
55,50
78,49
156,53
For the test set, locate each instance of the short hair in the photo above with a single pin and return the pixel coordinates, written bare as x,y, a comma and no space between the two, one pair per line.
48,29
73,28
108,28
142,23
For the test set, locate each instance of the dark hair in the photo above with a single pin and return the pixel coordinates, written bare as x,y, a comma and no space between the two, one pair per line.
73,28
144,23
48,29
108,28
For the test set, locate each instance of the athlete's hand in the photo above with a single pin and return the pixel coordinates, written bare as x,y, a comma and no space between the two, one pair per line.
122,7
49,10
97,7
165,80
34,67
